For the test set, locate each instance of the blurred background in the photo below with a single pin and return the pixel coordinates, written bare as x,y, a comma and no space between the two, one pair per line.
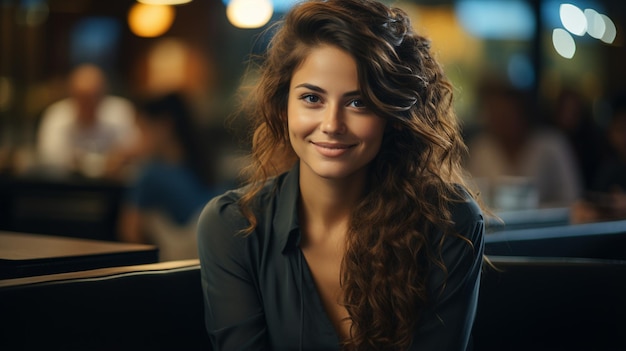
560,64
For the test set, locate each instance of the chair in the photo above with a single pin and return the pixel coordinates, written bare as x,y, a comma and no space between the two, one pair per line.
551,304
146,307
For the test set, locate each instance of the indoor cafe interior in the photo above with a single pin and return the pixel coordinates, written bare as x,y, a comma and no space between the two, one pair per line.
98,246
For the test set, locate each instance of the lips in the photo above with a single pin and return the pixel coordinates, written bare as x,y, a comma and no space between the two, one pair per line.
332,149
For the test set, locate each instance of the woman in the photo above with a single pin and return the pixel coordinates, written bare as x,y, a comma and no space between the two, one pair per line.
355,231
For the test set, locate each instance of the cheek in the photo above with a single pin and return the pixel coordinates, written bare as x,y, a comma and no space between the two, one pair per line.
298,123
373,131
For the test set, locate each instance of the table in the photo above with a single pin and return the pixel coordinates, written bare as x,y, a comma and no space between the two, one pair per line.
25,255
61,206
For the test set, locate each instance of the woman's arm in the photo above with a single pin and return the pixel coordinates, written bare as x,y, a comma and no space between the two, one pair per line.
234,313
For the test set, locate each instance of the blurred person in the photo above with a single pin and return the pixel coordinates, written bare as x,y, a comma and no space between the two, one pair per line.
354,231
573,117
80,132
516,163
606,199
173,180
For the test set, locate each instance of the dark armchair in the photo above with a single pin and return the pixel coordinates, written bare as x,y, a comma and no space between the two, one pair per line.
146,307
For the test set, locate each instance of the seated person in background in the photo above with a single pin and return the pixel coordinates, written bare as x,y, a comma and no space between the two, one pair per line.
171,184
516,164
607,198
573,117
80,132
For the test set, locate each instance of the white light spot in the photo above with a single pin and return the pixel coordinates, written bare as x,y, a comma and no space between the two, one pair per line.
573,19
610,32
595,23
563,43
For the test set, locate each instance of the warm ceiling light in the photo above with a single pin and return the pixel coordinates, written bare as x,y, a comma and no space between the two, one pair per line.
163,2
249,13
150,20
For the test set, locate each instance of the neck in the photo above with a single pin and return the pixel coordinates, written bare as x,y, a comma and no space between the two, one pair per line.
326,204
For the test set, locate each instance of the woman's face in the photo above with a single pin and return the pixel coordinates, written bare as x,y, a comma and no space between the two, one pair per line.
331,130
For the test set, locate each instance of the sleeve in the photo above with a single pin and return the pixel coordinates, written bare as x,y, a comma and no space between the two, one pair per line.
120,114
447,324
53,147
234,313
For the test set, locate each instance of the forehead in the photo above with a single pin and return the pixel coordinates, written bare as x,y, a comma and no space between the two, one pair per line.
325,62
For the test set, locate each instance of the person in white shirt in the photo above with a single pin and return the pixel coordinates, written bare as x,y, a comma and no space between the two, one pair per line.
82,131
516,164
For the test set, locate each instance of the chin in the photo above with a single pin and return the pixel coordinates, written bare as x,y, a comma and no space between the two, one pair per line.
336,172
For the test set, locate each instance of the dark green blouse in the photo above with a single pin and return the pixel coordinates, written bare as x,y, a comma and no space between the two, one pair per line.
259,293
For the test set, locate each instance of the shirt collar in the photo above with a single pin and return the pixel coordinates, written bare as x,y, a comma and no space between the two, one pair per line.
286,225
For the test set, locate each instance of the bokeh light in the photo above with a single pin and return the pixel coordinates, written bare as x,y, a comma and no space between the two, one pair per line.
150,20
280,6
511,19
573,19
595,23
563,43
164,2
249,13
610,31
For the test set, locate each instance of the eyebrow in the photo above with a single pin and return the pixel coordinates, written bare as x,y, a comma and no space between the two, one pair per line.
322,91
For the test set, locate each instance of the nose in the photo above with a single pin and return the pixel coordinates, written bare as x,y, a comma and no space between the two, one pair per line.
333,122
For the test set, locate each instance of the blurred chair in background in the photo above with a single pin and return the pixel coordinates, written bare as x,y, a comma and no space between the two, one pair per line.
517,164
79,133
174,180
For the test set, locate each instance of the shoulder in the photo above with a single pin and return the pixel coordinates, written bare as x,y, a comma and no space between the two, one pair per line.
58,113
222,214
466,214
219,229
463,205
222,221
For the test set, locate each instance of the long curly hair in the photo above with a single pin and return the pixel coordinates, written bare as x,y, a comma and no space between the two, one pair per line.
413,179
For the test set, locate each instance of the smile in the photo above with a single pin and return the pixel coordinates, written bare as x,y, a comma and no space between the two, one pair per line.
332,149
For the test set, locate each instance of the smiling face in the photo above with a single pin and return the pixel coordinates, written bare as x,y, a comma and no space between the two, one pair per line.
331,130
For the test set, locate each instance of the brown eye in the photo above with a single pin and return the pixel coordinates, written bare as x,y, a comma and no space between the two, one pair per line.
357,103
310,98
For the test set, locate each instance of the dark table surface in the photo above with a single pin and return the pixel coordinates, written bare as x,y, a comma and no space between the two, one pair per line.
23,254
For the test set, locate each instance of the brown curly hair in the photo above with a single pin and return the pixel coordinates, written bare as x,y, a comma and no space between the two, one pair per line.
413,179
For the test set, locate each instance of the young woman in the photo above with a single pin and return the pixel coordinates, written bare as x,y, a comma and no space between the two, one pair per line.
355,231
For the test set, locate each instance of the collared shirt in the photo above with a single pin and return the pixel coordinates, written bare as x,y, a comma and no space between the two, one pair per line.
260,295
